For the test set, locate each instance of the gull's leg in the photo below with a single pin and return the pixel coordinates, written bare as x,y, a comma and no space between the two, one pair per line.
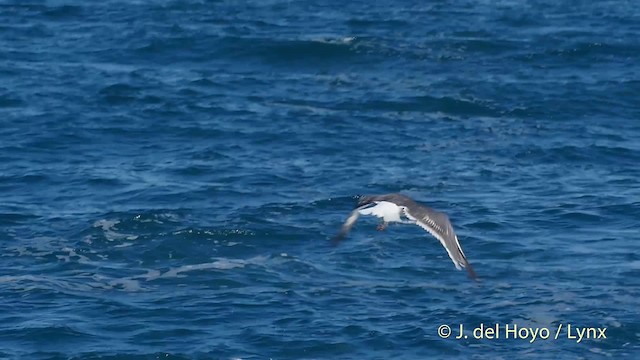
382,226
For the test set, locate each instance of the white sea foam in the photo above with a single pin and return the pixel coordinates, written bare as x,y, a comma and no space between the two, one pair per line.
75,284
110,230
72,255
220,264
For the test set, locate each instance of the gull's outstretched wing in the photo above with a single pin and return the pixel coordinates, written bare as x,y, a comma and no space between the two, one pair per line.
438,225
346,227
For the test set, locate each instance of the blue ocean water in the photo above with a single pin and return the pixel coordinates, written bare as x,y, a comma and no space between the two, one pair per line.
171,173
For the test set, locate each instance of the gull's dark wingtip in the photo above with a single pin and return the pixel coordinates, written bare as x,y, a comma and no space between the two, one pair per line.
472,274
336,240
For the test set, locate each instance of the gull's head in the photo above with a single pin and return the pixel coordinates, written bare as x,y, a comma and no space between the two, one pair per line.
364,200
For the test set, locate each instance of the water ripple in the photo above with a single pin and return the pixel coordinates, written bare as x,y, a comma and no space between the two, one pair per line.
171,174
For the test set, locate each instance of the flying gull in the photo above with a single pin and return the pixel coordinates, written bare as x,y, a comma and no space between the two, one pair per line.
391,207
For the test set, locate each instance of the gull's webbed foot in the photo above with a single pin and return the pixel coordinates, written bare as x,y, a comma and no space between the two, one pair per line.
382,226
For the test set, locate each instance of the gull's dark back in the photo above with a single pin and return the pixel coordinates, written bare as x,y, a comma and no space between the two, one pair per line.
397,199
441,221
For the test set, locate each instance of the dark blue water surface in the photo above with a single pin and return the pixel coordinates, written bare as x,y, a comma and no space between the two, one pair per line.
171,173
